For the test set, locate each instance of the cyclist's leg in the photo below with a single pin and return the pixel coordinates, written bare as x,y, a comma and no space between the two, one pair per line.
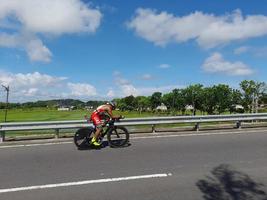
98,124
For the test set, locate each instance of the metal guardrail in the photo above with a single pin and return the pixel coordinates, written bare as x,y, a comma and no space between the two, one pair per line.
75,124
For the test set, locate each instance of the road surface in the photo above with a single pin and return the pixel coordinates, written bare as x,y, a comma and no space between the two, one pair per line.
167,166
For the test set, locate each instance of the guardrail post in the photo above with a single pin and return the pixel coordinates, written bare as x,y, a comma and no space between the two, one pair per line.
153,128
197,126
238,125
57,133
2,136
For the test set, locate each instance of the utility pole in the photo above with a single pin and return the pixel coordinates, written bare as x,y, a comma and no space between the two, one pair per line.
7,95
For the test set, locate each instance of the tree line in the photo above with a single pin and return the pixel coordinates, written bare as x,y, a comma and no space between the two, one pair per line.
215,99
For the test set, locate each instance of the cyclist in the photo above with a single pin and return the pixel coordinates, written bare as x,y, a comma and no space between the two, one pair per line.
100,117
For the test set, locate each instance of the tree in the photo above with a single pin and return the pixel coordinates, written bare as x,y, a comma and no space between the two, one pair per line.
130,102
222,97
252,92
179,100
236,99
168,100
142,103
193,94
209,100
127,103
263,99
121,104
156,100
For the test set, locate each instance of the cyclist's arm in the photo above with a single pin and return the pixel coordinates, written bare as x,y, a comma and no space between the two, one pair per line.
111,114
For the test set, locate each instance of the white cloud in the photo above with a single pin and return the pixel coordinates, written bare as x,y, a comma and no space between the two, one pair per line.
119,80
30,92
29,80
82,89
163,89
111,93
126,88
164,66
216,64
242,49
37,86
34,47
51,17
147,77
256,51
208,30
7,40
37,51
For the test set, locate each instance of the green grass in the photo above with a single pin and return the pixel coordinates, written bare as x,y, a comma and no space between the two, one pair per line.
43,114
40,114
20,115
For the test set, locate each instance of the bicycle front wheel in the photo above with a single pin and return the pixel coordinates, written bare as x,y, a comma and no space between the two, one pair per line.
118,137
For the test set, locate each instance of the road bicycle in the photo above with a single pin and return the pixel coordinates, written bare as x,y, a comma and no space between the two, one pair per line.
117,136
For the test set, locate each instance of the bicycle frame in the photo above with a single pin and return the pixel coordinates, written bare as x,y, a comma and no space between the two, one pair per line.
110,125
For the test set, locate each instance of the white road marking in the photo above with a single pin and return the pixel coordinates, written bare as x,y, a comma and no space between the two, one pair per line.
86,182
146,137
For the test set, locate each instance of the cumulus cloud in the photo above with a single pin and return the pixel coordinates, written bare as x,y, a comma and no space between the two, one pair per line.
82,89
208,30
37,51
126,88
29,18
216,64
111,93
34,47
29,80
37,86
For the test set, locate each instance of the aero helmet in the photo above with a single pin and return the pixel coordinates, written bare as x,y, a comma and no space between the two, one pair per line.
113,104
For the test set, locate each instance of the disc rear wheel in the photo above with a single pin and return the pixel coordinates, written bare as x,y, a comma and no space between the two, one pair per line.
82,137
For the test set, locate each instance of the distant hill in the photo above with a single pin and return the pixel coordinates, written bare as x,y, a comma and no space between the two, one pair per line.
54,104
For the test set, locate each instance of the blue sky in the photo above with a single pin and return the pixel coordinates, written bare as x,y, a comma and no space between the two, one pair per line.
105,49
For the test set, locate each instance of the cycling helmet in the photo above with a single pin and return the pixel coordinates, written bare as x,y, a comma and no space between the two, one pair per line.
113,104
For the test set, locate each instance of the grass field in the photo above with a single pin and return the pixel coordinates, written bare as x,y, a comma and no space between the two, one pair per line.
39,114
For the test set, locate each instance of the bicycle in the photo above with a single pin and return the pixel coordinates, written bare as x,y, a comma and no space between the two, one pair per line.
117,136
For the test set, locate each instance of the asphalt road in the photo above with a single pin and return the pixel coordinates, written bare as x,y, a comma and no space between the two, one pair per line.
158,168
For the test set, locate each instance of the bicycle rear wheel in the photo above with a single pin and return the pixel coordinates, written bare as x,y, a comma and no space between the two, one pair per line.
82,137
118,137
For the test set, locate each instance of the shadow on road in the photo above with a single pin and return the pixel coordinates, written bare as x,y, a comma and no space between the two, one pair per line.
104,145
228,184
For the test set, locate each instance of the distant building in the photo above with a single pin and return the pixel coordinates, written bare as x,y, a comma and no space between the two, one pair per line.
64,108
162,107
89,108
189,107
239,107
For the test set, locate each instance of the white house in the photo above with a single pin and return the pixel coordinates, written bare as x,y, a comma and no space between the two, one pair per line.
64,109
189,107
162,107
239,107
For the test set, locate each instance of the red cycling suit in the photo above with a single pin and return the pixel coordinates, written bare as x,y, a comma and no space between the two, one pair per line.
98,117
